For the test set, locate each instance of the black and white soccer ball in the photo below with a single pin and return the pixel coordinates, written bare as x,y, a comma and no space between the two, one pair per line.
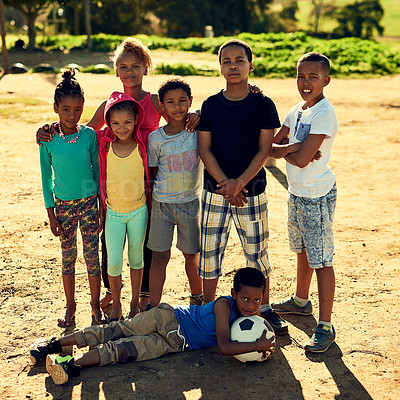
250,329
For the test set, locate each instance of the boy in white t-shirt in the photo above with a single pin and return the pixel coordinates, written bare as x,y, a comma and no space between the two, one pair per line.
305,141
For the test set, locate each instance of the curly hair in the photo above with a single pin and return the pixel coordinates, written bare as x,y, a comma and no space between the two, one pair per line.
171,84
137,48
69,86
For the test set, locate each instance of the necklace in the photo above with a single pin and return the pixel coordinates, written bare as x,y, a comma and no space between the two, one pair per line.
62,135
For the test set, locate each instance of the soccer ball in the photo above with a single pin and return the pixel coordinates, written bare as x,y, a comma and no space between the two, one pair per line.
250,329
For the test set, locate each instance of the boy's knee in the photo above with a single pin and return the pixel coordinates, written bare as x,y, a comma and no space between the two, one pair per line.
161,256
192,257
126,351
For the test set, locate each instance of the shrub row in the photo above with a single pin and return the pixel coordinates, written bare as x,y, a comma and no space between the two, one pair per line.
276,54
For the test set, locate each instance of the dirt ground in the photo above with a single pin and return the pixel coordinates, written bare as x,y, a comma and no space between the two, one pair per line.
364,361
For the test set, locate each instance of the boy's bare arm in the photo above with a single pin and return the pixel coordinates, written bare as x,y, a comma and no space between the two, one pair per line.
233,187
208,158
153,172
46,132
192,120
281,135
222,310
280,147
308,151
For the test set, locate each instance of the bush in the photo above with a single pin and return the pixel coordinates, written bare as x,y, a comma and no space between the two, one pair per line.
183,70
275,54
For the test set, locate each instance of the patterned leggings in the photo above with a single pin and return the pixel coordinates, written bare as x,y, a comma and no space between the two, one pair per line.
70,213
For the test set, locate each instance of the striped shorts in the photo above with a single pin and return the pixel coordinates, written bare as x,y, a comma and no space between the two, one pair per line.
251,223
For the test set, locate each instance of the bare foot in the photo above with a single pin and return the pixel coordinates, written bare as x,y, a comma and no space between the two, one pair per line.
69,318
97,314
134,310
105,301
143,301
115,314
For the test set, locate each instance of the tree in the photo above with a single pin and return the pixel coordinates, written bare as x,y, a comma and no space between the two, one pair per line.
31,10
88,23
3,37
123,17
317,13
183,18
360,19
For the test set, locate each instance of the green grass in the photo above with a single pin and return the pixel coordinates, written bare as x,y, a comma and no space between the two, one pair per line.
275,54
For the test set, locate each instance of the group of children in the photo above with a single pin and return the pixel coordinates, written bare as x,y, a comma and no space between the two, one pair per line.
143,167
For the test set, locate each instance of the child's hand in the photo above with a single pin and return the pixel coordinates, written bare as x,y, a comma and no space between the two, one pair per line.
55,226
317,155
254,89
45,133
267,346
230,188
233,191
238,201
100,218
192,121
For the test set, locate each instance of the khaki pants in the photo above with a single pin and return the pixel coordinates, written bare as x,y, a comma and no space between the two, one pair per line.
148,335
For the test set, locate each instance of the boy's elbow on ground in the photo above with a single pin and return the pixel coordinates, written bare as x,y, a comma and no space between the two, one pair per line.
224,350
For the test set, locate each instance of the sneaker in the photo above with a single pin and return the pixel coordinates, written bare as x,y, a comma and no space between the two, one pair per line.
290,307
321,339
41,348
279,325
61,368
196,300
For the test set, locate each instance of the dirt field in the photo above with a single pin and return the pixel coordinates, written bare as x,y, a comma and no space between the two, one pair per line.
364,361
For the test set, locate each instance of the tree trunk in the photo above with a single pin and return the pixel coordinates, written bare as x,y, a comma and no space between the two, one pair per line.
88,24
76,19
317,13
4,50
31,16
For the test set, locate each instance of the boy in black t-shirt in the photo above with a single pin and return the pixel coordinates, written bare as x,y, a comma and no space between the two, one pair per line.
235,138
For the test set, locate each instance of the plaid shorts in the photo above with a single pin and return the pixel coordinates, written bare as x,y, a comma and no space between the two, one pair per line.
251,223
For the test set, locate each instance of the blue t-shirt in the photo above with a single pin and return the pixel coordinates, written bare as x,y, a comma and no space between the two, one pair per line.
198,323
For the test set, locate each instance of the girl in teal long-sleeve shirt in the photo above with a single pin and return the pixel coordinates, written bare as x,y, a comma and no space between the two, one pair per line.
70,181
